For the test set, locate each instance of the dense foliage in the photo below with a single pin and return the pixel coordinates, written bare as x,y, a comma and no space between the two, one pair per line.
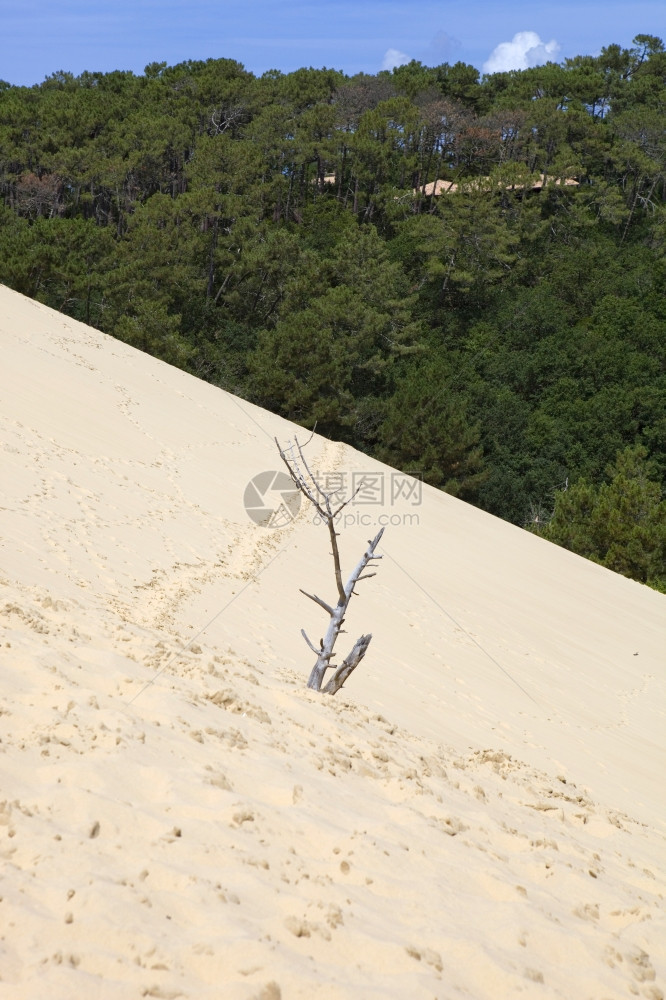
285,237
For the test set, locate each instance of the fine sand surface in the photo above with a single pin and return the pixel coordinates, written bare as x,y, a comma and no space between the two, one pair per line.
479,813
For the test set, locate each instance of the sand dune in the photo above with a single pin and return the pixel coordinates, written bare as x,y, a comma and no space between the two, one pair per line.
478,814
538,182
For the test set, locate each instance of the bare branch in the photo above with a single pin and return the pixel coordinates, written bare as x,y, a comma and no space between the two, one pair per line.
343,505
336,560
318,600
348,665
311,476
298,478
313,648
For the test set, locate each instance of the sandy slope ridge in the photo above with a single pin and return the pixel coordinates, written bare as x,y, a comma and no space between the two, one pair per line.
480,814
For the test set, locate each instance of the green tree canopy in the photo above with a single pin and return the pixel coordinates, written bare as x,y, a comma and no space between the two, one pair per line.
461,275
620,524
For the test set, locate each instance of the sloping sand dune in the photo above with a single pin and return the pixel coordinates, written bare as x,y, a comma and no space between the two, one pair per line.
478,814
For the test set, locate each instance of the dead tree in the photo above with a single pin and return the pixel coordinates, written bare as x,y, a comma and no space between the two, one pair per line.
294,459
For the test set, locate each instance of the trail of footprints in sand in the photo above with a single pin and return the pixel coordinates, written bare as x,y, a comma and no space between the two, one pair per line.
152,603
241,555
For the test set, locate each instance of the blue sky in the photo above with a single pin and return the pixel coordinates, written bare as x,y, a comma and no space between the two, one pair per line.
38,37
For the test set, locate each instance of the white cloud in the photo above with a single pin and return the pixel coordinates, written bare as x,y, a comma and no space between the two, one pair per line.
524,50
393,58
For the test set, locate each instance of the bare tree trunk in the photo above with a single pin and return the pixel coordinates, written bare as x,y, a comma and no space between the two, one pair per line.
337,615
